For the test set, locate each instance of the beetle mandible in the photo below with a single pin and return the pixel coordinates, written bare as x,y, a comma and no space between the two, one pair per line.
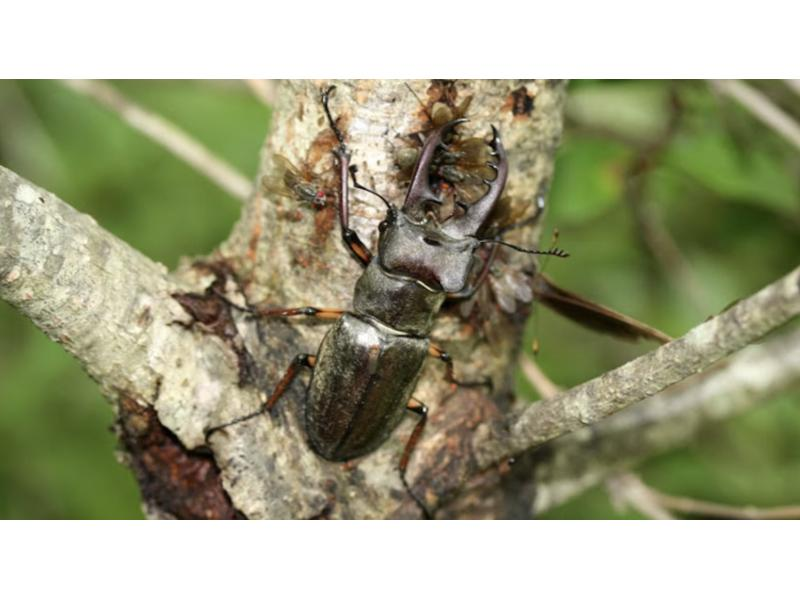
368,363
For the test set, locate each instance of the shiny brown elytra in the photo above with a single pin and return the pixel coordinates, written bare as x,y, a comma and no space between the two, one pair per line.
367,366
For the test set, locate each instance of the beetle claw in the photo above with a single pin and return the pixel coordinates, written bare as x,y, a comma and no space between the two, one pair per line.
495,137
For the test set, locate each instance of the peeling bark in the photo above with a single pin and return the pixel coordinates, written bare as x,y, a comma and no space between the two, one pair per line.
175,483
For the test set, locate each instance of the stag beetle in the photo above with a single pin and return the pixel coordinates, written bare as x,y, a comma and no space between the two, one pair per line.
367,365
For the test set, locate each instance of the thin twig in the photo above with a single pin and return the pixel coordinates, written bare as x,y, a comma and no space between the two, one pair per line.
745,322
543,385
262,89
760,106
700,507
168,135
631,490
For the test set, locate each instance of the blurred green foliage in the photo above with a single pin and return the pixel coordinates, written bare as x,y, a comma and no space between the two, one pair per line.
635,154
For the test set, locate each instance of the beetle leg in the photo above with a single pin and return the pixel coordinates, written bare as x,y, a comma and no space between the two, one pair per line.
420,409
449,372
324,313
302,360
349,236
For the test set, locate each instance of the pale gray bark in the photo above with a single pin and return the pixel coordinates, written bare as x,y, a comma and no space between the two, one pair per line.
86,289
112,308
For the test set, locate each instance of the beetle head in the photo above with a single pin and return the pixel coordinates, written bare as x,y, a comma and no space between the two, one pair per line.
415,244
423,251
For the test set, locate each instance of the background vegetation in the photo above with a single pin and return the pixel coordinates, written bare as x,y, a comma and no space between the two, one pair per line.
672,200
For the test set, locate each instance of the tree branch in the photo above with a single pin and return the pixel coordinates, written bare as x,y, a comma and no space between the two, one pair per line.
575,462
760,106
167,135
745,322
86,289
263,89
631,491
112,308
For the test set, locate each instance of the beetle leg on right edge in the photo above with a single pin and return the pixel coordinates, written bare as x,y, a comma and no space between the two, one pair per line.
302,360
349,236
420,409
324,313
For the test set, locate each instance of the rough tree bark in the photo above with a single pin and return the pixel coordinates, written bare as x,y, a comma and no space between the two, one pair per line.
116,311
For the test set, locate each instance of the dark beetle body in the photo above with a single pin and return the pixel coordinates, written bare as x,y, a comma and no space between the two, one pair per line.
368,364
353,404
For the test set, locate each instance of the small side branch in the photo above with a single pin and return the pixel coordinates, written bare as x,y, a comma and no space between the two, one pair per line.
760,106
630,490
745,322
543,385
169,136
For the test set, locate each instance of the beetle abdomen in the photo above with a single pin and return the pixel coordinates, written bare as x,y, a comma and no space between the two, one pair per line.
362,380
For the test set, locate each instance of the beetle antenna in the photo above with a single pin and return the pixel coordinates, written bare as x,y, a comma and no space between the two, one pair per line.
325,95
554,251
357,185
553,241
